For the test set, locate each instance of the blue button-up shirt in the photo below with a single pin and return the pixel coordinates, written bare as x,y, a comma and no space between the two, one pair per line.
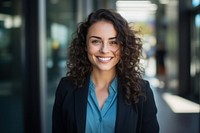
101,120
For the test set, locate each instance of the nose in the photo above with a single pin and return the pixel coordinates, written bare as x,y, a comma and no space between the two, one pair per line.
104,48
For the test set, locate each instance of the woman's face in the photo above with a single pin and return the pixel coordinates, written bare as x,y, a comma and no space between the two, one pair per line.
103,50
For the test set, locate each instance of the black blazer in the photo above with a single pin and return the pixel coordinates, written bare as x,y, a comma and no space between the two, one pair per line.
69,111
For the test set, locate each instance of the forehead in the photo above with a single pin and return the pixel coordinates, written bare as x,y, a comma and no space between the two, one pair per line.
102,28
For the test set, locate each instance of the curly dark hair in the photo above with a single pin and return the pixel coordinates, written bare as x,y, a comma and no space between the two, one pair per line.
128,69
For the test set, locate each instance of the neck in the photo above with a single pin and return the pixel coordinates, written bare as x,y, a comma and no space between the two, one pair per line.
102,78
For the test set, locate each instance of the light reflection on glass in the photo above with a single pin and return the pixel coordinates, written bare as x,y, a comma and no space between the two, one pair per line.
195,2
197,20
180,105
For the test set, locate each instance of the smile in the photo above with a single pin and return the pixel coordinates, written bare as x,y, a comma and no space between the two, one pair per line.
104,59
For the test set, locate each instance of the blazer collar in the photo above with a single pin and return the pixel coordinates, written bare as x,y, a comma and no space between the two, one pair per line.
123,114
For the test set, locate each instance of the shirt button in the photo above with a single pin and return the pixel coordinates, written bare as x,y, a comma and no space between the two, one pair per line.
100,119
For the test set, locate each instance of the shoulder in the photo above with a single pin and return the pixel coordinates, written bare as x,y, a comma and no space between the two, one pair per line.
145,87
66,81
147,97
65,85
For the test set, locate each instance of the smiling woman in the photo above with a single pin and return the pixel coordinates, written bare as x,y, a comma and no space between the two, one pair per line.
103,90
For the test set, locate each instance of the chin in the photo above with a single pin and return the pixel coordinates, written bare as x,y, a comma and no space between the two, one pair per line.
106,69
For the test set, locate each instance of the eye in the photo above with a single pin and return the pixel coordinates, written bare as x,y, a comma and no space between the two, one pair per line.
96,41
113,42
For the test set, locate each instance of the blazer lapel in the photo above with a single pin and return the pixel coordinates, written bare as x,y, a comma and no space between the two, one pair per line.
124,116
80,107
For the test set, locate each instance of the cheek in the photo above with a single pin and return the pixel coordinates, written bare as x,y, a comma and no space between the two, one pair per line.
88,49
90,53
90,57
118,58
117,54
92,50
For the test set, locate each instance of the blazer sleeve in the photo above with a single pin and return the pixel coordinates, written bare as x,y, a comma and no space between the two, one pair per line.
149,112
57,121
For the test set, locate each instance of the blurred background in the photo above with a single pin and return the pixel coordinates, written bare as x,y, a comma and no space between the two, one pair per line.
35,35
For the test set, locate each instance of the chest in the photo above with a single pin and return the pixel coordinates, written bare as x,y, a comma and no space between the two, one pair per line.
101,119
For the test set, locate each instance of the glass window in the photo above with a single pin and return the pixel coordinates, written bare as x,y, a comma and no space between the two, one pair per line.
195,56
11,76
60,21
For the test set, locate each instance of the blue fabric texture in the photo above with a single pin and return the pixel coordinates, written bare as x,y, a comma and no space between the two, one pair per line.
101,120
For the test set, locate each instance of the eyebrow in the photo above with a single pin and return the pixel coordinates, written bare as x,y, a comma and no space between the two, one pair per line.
101,38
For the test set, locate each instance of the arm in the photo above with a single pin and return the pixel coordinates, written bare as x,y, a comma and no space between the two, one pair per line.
57,122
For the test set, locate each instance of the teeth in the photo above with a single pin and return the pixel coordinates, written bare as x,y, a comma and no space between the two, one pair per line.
104,59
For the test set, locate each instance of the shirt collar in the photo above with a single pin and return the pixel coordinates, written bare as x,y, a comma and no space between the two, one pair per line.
113,86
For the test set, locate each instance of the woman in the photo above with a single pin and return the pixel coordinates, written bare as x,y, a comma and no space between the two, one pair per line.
103,91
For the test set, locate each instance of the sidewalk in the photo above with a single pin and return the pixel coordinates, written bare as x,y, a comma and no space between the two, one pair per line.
171,122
